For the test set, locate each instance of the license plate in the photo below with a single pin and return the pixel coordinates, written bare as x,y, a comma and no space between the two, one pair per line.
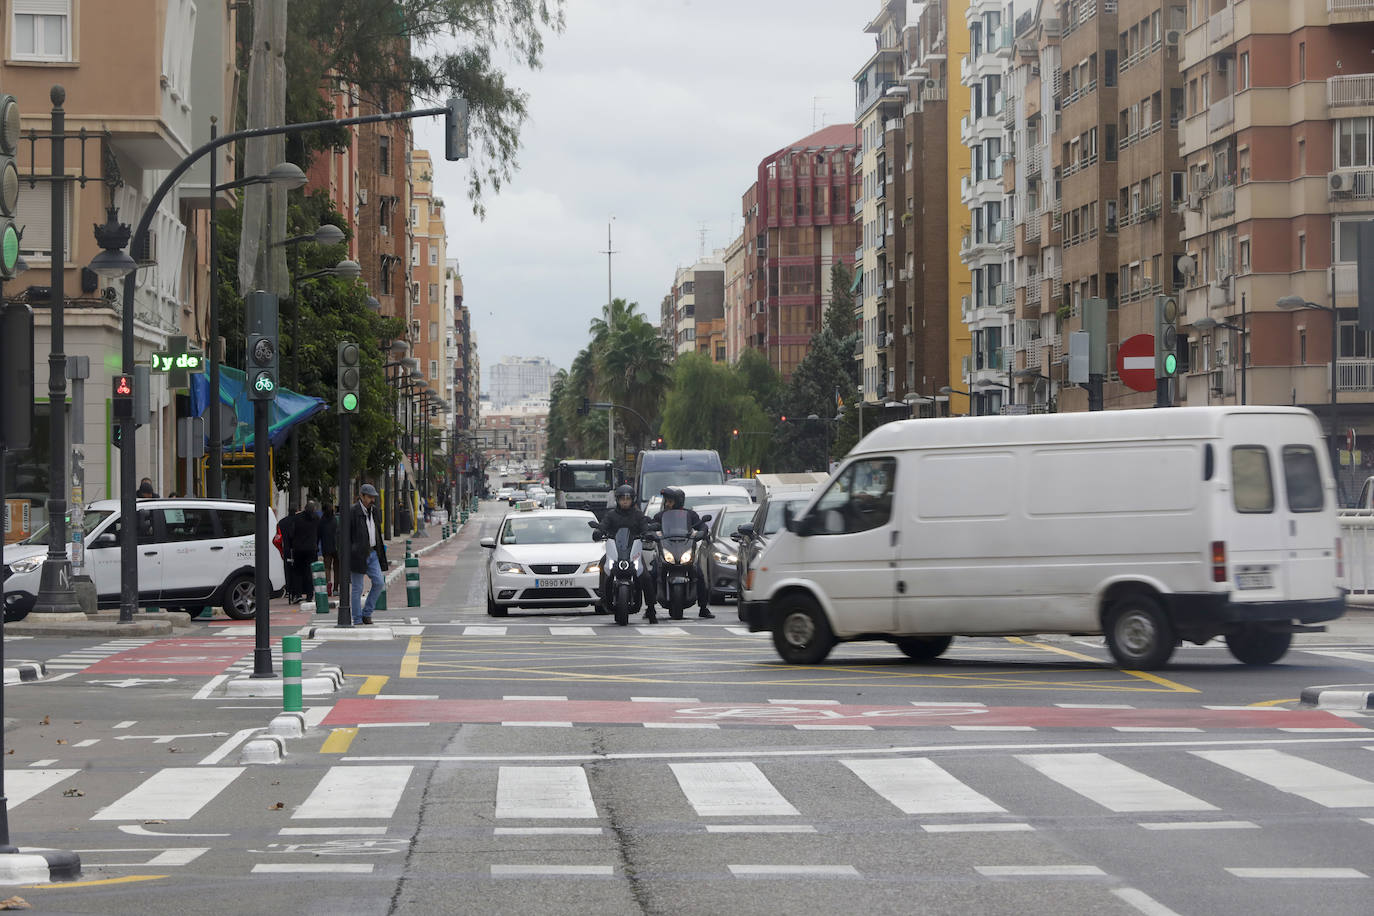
1254,578
553,583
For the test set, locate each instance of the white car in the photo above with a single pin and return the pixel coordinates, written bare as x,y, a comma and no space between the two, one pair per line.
543,558
705,494
191,553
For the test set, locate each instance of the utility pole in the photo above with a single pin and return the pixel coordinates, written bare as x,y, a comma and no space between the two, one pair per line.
610,329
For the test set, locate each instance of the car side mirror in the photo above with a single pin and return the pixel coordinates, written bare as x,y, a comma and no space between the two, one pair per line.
746,530
593,525
488,542
598,535
706,518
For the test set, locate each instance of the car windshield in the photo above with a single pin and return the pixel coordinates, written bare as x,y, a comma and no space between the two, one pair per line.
718,499
732,519
555,529
772,523
89,522
673,523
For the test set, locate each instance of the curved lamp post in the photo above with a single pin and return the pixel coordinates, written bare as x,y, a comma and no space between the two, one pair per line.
1295,303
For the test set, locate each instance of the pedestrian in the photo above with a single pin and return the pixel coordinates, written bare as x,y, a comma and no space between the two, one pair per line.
285,531
145,489
366,553
305,545
329,546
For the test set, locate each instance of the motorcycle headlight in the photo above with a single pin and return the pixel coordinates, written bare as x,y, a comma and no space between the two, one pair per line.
624,564
726,558
510,569
28,564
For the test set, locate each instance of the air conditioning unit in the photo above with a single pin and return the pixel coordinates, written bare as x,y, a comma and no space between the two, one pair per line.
362,195
906,330
1195,203
1173,37
1340,181
932,83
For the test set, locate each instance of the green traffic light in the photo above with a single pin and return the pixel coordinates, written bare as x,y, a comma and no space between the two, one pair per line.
9,248
1171,363
350,402
264,382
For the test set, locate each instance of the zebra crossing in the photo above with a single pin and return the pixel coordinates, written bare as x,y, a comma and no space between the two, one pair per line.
81,659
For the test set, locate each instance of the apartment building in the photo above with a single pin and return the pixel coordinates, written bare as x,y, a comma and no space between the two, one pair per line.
797,225
1279,103
516,378
431,315
698,296
736,308
174,61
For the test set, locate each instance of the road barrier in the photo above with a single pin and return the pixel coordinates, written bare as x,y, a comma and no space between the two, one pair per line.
291,674
412,581
321,589
1357,542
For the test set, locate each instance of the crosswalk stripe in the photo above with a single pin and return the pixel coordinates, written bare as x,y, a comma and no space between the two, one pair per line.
172,794
22,785
662,631
544,792
800,871
729,789
572,631
1315,782
348,792
1112,785
921,786
484,631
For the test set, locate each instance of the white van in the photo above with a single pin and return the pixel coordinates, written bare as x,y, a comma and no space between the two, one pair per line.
1148,526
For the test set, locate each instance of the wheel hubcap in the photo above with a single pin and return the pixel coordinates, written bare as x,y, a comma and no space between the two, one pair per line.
1136,633
798,630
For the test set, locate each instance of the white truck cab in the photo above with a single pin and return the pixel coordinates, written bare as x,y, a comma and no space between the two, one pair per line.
1148,526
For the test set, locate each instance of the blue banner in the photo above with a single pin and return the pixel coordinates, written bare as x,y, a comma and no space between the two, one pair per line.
286,411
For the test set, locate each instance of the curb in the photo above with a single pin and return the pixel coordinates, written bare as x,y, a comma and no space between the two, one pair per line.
24,671
1337,698
348,634
39,866
267,749
323,681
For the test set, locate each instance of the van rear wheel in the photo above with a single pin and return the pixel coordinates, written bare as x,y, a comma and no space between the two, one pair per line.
1138,634
801,633
1257,646
924,648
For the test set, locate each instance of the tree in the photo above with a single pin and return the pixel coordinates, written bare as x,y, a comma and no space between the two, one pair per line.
424,50
839,314
825,372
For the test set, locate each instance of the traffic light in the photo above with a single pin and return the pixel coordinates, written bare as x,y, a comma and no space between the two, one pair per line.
16,382
263,358
585,408
734,434
9,186
783,418
1166,337
350,377
456,130
122,393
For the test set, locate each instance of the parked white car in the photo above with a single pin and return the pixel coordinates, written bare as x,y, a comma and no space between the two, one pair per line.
543,558
191,553
704,494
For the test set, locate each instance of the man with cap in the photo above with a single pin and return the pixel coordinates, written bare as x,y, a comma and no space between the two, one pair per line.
367,553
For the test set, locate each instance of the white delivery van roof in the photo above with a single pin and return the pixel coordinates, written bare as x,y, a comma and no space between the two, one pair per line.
1106,425
800,481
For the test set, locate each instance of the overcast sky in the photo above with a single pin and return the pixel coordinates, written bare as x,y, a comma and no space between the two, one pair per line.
656,113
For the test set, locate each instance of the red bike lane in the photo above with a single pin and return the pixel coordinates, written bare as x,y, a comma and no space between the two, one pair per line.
177,656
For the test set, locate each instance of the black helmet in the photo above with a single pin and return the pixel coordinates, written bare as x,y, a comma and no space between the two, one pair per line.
677,496
624,490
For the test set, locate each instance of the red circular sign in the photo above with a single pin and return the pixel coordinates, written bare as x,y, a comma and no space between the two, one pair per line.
1135,362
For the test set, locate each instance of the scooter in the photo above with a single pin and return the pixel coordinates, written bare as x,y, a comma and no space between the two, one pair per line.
624,567
677,555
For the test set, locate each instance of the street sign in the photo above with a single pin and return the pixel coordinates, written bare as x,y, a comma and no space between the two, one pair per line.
1135,362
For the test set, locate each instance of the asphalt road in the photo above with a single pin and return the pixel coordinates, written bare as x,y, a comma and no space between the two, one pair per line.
552,763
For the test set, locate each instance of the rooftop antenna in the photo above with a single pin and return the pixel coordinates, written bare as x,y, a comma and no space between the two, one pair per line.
701,245
816,112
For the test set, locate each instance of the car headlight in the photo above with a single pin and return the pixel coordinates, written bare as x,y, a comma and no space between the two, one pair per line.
28,564
510,569
726,558
593,567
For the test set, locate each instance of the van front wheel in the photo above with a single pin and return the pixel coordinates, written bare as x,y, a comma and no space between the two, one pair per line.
801,634
1138,634
1257,646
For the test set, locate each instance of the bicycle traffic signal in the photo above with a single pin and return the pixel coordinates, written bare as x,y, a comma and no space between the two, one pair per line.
350,377
263,358
9,186
456,130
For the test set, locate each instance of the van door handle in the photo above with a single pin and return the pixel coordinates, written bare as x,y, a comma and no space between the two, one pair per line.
901,587
896,536
150,553
1293,527
217,547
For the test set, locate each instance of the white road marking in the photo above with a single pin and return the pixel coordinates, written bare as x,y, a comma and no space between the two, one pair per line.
1094,706
552,871
484,631
392,724
1112,785
797,871
933,703
165,857
1153,728
335,868
736,789
1297,873
332,831
993,728
43,763
87,743
1341,654
171,794
126,724
977,828
406,696
681,725
543,792
549,831
920,786
1142,902
834,728
22,785
353,792
1200,825
227,748
210,687
1039,871
140,830
572,631
541,724
518,697
760,828
664,700
656,630
744,631
806,702
1315,782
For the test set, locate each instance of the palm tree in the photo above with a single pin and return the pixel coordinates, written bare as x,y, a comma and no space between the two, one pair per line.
635,369
613,315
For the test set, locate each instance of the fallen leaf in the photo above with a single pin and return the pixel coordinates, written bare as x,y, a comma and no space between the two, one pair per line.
61,740
73,793
46,721
77,722
156,820
173,749
10,751
15,903
277,807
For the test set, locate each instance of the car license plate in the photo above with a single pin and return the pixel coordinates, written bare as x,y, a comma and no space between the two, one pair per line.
553,583
1254,577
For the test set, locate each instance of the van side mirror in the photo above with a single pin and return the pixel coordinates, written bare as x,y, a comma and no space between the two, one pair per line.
598,534
105,540
789,518
706,518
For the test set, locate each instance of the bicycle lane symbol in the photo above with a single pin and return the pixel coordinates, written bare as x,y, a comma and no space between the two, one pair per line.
785,714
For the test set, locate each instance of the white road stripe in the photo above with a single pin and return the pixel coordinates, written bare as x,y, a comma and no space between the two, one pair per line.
1143,902
1313,781
1112,785
993,728
87,743
22,785
1153,728
337,868
540,724
43,763
548,831
572,631
126,724
797,871
919,786
664,700
834,728
662,631
1039,871
744,631
332,831
977,828
484,631
171,794
348,792
1201,825
1333,728
544,792
730,789
552,871
760,828
227,748
806,702
1094,706
680,725
1297,873
933,703
520,697
1342,654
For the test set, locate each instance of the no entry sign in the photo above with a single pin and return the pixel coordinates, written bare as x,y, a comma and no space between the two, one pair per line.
1135,362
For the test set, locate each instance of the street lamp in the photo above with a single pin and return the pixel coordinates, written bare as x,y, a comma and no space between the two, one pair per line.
1206,323
1294,303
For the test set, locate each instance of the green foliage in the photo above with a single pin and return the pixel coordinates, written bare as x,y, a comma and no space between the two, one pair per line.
823,377
839,314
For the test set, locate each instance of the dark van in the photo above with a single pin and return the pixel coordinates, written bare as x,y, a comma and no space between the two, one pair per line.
661,468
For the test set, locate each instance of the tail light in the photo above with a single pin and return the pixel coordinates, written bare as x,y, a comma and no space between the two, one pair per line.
1340,559
1218,561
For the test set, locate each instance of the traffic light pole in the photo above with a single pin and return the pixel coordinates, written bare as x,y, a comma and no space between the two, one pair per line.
262,543
344,573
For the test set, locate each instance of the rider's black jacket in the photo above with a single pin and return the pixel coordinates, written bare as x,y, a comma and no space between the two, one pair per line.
617,518
694,522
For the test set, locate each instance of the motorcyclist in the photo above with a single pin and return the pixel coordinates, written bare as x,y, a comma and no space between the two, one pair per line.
626,514
673,498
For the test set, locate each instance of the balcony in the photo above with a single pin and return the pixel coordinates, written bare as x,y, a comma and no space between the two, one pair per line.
1221,113
1219,25
1357,89
1342,11
1222,202
1349,184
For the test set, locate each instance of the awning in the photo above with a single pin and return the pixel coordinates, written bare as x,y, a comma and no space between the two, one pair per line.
858,278
286,411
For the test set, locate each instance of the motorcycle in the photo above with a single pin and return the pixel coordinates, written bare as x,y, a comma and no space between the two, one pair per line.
677,554
624,565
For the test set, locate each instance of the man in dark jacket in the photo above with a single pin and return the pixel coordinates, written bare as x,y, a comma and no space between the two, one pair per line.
673,498
329,546
367,553
305,544
625,514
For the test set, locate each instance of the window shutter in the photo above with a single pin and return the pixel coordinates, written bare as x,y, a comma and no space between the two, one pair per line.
43,7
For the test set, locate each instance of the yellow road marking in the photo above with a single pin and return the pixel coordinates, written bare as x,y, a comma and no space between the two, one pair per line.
1275,702
373,685
410,664
127,879
1143,675
338,741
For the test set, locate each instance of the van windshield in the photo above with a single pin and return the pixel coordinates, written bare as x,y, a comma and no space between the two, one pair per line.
89,522
654,481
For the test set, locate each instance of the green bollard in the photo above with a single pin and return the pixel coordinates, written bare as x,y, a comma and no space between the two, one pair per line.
381,599
408,553
412,581
206,613
321,590
463,516
291,674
